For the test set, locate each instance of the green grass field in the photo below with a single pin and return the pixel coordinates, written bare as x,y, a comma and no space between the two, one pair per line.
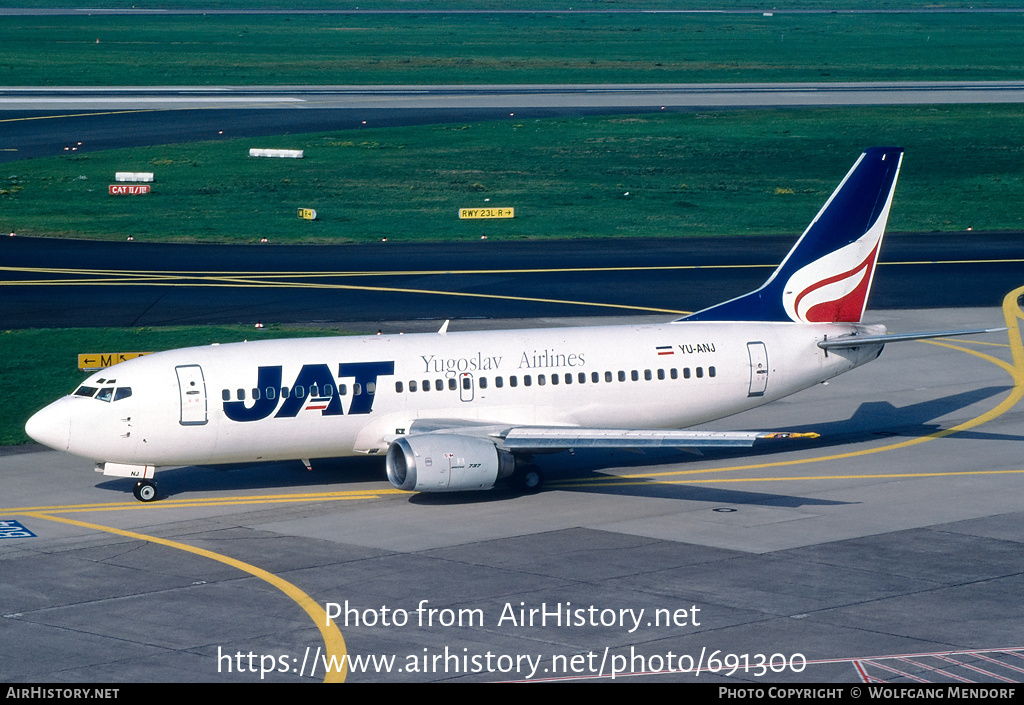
532,48
708,173
533,5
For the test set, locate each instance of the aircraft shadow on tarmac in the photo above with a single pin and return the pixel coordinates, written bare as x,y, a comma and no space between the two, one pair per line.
871,421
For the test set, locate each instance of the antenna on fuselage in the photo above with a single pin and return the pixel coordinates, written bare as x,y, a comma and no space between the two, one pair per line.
444,327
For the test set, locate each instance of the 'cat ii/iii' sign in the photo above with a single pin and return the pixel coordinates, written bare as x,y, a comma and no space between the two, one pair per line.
474,213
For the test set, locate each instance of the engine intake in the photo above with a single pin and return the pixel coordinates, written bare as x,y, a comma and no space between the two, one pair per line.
438,462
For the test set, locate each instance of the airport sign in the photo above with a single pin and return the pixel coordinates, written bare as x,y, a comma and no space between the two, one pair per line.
97,361
128,189
475,213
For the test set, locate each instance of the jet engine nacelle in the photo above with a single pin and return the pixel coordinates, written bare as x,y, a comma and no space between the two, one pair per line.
437,462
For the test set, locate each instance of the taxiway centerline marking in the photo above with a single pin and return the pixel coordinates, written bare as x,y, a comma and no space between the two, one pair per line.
392,290
455,272
333,640
210,501
639,479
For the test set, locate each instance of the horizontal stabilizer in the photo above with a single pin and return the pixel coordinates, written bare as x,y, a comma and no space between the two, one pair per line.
856,341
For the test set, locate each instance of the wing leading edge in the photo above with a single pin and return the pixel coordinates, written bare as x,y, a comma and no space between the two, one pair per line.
548,438
522,439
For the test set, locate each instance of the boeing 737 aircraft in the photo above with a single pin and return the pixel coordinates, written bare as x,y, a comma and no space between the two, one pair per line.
460,411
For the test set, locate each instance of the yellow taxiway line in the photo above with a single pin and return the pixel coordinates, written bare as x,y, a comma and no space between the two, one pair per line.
333,640
264,275
253,280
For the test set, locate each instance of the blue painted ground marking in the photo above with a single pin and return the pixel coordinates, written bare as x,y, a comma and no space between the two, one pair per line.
10,529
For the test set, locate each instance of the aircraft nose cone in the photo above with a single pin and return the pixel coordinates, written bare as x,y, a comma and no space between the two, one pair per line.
50,426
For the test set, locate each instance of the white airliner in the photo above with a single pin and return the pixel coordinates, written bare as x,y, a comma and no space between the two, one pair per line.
460,411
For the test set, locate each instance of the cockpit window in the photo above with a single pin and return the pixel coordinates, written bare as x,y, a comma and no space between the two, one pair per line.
105,394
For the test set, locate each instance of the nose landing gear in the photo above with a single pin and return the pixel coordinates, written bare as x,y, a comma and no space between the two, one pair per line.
145,490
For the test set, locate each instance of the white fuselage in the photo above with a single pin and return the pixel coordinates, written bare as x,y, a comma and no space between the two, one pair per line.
329,397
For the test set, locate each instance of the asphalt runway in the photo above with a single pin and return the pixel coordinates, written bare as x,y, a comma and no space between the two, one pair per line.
68,283
886,551
42,121
116,11
46,133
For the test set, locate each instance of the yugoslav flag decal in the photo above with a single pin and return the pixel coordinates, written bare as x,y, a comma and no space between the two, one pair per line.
816,294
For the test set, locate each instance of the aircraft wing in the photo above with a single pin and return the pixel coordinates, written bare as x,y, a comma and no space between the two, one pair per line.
564,438
549,438
445,455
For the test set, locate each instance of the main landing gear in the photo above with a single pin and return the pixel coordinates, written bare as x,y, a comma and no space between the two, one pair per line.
145,490
528,478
